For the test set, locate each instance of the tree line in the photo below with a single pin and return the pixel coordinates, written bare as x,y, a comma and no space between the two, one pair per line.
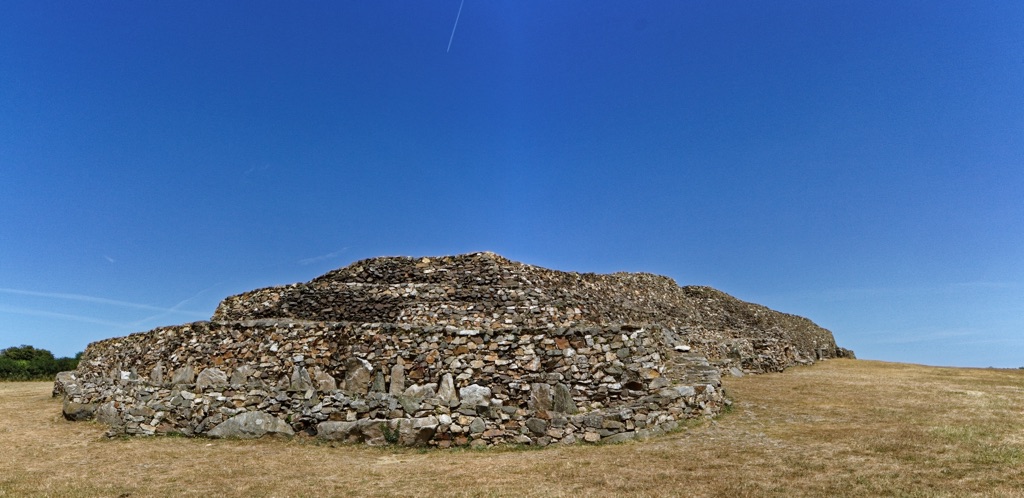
29,363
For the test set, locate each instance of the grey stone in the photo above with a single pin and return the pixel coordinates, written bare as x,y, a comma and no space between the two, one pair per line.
410,404
446,390
593,420
300,381
477,426
78,411
735,372
378,382
204,425
536,425
183,375
475,395
251,425
416,431
66,383
559,422
612,424
562,401
397,379
107,414
619,438
672,393
429,421
358,375
375,432
241,375
323,381
372,431
211,377
659,383
420,392
338,431
156,375
540,397
141,411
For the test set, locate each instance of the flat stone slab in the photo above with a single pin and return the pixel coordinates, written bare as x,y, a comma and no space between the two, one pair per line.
251,425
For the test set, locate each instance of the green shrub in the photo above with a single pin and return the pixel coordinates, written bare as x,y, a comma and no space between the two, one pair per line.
29,363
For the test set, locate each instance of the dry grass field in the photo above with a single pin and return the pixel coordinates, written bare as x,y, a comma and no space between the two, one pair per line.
839,428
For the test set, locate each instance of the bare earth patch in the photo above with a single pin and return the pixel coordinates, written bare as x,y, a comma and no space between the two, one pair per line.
839,428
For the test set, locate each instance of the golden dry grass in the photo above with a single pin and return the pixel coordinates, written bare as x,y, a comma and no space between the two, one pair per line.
839,428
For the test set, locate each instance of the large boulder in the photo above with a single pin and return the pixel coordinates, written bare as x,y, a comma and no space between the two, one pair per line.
66,383
251,425
403,431
78,411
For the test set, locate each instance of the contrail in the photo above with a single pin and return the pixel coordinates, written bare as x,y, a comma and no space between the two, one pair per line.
64,316
175,309
450,38
322,257
83,298
162,312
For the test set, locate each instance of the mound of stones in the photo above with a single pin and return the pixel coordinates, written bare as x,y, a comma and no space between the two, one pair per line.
461,350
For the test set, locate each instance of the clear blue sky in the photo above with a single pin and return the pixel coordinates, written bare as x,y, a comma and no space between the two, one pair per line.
860,163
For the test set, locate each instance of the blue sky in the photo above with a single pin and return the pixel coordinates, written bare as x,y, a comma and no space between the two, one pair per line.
860,163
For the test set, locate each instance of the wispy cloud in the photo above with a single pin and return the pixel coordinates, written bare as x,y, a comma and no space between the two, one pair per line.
64,316
161,311
847,293
109,259
81,298
256,169
988,285
323,257
952,336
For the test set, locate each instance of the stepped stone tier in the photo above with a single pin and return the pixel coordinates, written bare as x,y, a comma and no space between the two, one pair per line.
472,349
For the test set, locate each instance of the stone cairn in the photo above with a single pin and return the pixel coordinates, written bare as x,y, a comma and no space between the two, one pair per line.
461,350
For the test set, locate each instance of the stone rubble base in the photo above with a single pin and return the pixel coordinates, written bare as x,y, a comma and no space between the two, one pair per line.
394,384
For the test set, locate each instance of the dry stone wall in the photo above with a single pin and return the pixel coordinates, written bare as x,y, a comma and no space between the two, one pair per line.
437,385
471,349
486,291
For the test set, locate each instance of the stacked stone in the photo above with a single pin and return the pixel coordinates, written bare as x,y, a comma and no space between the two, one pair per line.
429,385
471,349
486,291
